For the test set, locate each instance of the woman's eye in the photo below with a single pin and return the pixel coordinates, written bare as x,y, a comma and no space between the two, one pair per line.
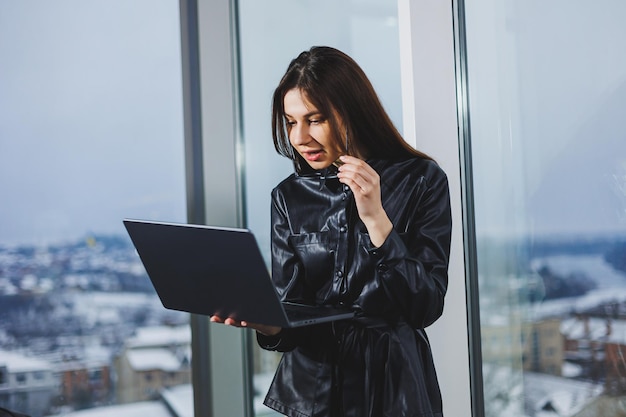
290,122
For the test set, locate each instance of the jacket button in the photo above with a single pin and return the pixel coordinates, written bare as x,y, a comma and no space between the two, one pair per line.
342,229
339,274
383,268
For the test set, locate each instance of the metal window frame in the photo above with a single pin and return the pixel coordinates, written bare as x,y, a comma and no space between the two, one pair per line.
221,371
433,32
436,112
469,228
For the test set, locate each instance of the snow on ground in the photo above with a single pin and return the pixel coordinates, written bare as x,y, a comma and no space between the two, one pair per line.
543,393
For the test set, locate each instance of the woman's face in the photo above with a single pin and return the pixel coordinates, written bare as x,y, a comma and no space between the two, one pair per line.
309,131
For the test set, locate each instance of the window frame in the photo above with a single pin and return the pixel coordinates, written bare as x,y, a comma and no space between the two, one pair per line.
435,107
434,110
213,176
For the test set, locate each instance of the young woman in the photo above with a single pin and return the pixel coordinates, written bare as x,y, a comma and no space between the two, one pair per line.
363,222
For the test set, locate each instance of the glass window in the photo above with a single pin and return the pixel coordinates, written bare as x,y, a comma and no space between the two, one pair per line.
90,133
272,32
20,378
547,98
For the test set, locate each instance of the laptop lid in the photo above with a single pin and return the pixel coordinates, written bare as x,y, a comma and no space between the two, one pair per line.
212,270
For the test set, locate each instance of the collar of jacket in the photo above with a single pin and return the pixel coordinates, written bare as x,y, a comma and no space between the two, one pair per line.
322,174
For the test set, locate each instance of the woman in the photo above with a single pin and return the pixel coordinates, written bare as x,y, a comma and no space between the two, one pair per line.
364,222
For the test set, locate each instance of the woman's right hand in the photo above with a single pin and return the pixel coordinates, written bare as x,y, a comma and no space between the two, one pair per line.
265,329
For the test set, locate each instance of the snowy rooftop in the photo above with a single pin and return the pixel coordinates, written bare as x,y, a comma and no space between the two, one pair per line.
598,328
160,336
153,358
564,395
179,399
20,363
140,409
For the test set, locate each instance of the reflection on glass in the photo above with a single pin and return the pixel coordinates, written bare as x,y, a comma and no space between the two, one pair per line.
547,99
90,133
273,32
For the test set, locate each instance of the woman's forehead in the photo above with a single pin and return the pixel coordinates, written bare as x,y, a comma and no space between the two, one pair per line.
296,100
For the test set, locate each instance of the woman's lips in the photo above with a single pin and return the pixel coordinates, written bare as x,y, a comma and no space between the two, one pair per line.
312,155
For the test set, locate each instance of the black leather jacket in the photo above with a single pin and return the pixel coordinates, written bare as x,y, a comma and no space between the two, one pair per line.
379,363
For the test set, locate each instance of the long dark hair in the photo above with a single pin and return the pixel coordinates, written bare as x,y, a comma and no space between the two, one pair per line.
336,85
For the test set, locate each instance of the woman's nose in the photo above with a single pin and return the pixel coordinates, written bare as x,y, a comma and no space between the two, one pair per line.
299,134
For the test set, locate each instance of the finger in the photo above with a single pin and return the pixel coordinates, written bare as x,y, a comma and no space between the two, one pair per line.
360,173
359,182
230,322
347,159
352,163
358,188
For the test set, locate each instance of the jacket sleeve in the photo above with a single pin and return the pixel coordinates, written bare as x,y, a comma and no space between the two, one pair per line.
411,266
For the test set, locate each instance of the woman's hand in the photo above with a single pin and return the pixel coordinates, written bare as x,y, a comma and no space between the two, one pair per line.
364,182
261,328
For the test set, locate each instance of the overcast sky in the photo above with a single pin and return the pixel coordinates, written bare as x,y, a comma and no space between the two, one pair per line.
547,104
90,116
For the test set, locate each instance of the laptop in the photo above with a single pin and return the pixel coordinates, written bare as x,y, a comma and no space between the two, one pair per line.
210,270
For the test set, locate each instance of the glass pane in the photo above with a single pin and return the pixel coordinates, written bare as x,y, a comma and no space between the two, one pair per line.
90,133
272,32
547,101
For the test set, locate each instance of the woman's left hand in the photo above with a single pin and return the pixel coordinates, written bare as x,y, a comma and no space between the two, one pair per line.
261,328
364,182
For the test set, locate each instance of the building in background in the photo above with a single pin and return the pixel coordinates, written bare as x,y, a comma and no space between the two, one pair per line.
85,384
155,358
26,383
543,347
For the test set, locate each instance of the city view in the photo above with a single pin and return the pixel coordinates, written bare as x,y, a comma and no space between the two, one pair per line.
92,131
69,314
554,332
73,314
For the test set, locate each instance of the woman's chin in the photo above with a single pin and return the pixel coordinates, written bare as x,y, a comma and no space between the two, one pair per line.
318,165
